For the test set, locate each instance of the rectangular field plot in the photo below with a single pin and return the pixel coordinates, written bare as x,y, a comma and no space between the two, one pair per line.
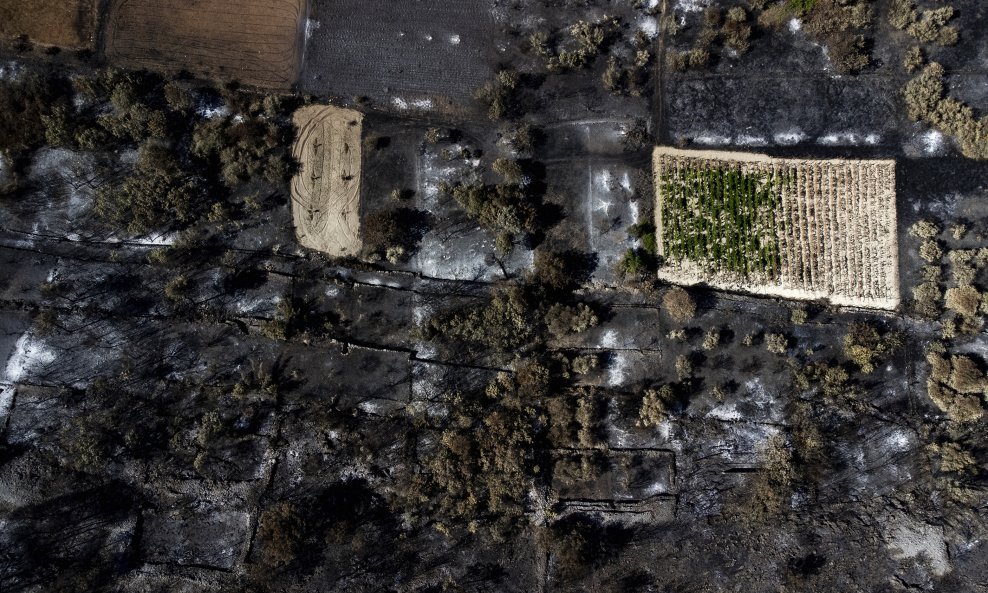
257,42
404,53
795,228
65,23
326,190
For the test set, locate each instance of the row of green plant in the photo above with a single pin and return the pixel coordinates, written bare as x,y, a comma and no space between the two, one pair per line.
723,219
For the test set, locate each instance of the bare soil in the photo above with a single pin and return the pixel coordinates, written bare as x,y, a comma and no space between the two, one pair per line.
64,23
258,42
326,190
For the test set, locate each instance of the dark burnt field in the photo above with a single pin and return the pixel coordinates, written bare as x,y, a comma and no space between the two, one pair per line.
496,395
400,54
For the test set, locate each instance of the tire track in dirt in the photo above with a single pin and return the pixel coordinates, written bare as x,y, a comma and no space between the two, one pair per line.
326,191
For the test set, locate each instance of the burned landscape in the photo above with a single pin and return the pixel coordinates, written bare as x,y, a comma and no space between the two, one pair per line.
483,371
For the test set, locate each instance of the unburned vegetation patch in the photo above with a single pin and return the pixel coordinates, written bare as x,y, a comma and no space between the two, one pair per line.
798,228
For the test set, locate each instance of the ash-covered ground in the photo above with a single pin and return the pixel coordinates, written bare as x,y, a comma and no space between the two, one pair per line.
493,398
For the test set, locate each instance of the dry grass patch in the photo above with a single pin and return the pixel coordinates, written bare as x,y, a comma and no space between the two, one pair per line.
796,228
64,23
326,190
257,42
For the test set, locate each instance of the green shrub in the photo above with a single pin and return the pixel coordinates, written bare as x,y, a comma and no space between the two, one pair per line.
156,194
563,320
864,346
801,6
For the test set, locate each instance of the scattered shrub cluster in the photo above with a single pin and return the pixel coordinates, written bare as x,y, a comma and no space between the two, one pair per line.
581,45
730,29
157,193
842,25
956,384
498,95
393,233
928,26
866,347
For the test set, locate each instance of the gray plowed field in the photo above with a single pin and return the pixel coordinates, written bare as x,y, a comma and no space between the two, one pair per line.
389,50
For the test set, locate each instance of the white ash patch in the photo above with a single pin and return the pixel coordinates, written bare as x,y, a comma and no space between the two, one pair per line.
129,156
68,181
617,372
30,354
454,39
422,313
212,110
746,140
373,406
761,397
712,140
635,212
840,138
10,71
933,142
726,412
899,441
405,105
6,402
648,25
626,182
790,137
158,239
257,305
386,282
692,5
310,26
609,339
794,25
910,539
872,139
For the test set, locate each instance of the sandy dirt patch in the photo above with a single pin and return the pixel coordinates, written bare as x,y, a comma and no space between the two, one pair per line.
65,23
257,42
326,190
836,229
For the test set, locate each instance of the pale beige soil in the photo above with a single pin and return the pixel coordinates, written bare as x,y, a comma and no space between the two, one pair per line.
257,42
838,237
326,190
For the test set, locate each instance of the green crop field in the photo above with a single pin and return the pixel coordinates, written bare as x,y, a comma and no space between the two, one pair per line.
723,218
798,228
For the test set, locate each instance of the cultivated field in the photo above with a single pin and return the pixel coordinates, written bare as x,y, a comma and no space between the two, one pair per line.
65,23
796,228
257,42
326,190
